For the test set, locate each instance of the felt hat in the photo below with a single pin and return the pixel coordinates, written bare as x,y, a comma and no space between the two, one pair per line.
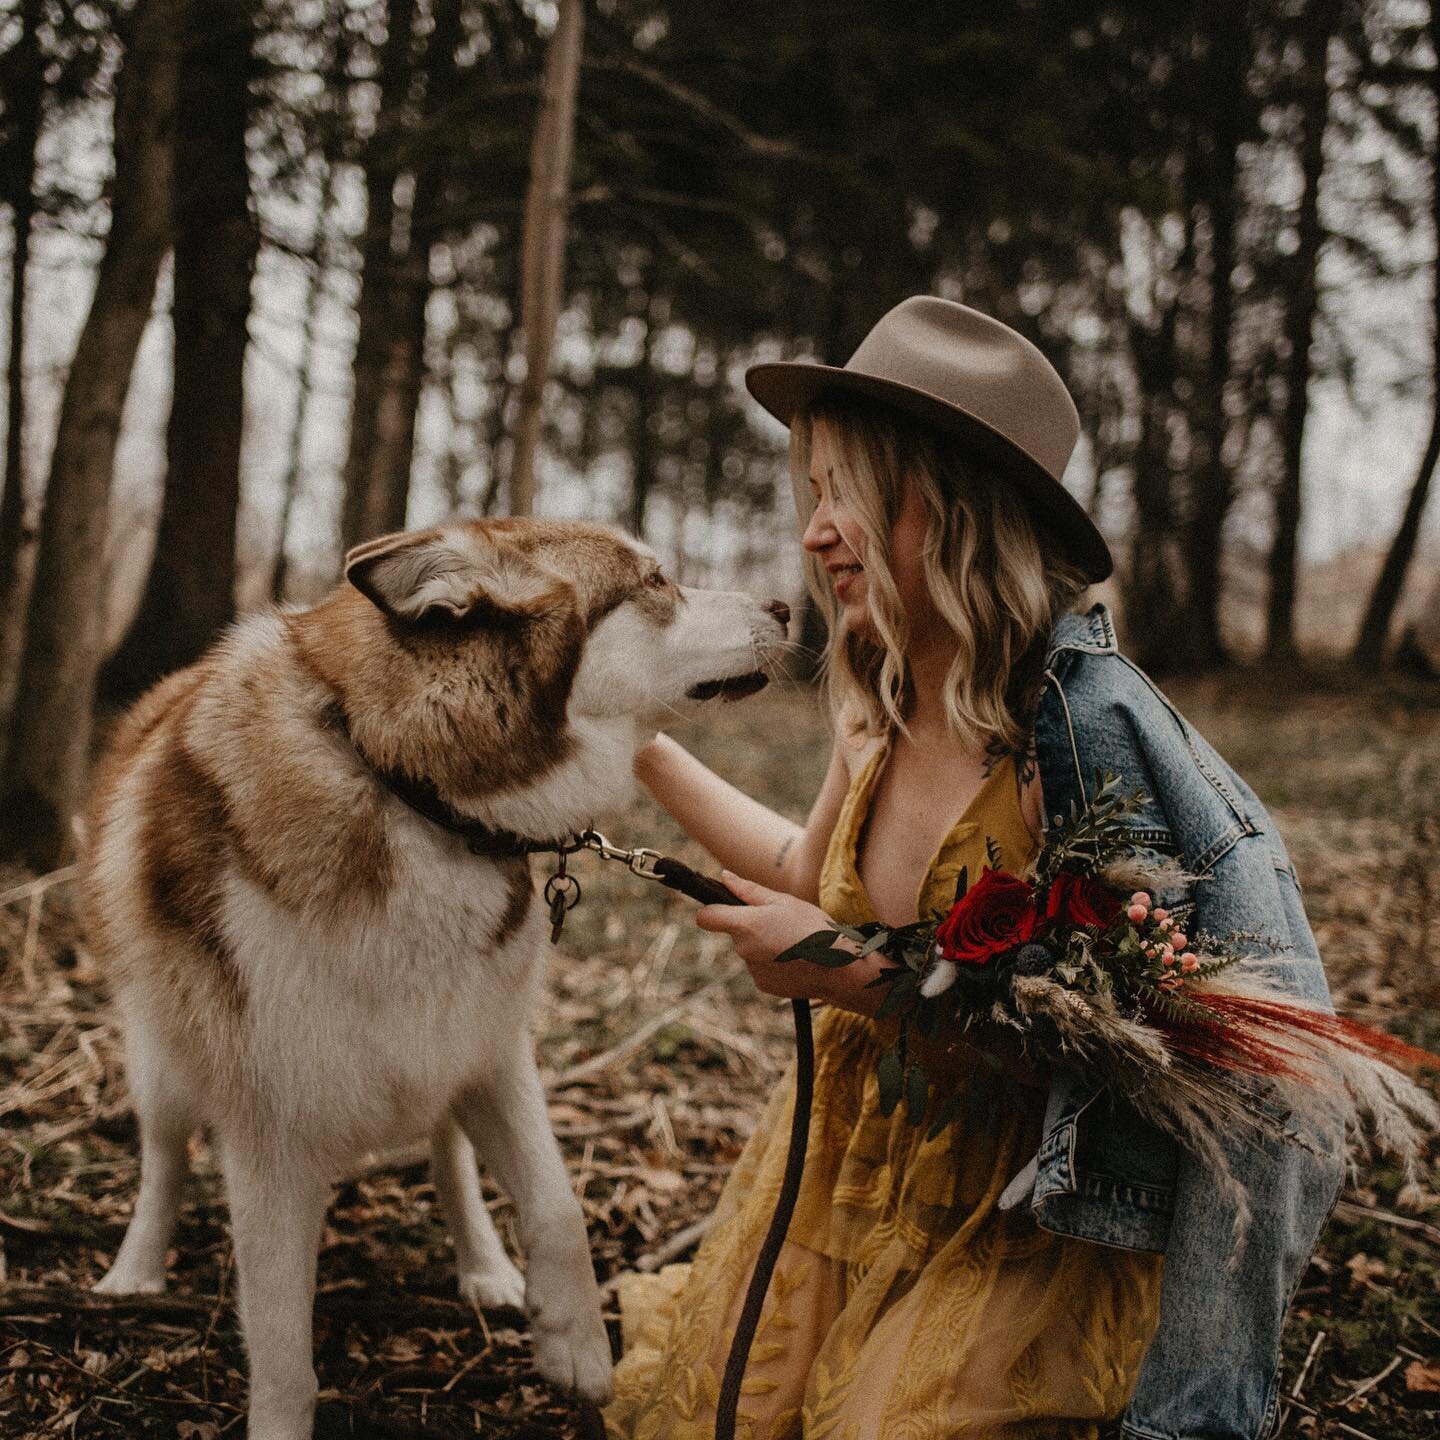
970,376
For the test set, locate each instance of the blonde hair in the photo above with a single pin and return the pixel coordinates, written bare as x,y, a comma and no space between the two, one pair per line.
991,574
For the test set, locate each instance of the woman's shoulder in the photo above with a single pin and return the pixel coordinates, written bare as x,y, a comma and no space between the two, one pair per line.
1103,686
854,744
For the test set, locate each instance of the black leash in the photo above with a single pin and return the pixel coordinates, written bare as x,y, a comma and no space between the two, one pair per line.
678,876
562,895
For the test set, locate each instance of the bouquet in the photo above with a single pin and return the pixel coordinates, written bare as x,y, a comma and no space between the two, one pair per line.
1078,961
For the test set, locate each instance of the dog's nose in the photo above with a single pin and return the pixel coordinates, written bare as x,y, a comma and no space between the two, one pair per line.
779,609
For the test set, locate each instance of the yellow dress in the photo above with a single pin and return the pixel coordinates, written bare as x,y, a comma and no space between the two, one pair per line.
905,1305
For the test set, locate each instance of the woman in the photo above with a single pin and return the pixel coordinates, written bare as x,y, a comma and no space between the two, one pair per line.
1005,1277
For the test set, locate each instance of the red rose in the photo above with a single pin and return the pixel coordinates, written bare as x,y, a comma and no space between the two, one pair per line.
1081,900
996,914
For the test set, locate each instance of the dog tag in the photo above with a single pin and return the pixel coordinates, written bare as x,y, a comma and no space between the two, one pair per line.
562,895
558,911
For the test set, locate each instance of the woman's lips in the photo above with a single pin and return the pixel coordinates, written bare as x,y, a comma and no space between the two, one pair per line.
845,576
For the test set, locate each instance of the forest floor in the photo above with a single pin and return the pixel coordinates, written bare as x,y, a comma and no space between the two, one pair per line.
659,1054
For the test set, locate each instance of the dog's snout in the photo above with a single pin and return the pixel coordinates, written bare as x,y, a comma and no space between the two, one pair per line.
779,609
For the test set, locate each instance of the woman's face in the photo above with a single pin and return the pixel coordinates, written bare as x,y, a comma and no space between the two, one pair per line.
834,537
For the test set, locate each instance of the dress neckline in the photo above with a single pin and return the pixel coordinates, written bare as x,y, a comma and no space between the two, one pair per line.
962,828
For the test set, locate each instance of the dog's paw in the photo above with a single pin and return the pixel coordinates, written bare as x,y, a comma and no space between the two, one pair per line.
499,1286
575,1357
122,1280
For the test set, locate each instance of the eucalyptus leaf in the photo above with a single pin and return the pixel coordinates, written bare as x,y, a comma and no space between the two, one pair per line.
818,949
917,1094
902,997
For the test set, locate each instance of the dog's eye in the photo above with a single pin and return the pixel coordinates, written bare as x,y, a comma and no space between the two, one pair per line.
656,580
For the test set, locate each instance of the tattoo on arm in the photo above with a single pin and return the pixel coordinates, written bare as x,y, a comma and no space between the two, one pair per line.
1028,763
784,851
1026,760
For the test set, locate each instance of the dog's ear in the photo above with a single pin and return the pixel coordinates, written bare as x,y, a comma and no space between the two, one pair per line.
448,574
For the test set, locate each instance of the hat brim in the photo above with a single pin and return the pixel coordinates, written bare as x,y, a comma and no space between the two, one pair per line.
785,387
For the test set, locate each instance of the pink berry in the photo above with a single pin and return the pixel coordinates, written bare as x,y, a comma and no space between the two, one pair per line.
1167,956
1141,897
1189,961
1136,914
1161,913
1178,938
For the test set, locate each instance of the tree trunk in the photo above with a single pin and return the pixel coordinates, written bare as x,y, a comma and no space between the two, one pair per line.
305,380
1213,485
542,253
1375,627
1321,20
1419,649
645,393
190,594
50,732
1152,610
374,494
24,102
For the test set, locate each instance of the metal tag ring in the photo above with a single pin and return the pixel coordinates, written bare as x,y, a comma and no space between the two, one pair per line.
562,885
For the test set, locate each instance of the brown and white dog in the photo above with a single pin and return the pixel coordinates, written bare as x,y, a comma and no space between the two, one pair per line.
314,969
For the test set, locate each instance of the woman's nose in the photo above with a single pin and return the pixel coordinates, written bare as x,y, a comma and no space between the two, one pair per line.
820,532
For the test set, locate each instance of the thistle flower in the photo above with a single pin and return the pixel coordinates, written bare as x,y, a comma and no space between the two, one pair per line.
1032,959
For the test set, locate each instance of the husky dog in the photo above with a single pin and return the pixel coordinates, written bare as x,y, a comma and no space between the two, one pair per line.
308,956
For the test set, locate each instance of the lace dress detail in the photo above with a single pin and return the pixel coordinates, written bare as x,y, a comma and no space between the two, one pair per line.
906,1305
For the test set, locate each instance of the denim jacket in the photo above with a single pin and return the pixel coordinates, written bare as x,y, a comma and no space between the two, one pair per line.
1101,1173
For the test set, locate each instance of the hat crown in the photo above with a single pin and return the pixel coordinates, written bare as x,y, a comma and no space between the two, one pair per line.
978,365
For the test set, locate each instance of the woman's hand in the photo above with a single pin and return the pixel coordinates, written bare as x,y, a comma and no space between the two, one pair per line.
769,923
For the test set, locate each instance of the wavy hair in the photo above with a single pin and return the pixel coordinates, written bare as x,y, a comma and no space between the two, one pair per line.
990,572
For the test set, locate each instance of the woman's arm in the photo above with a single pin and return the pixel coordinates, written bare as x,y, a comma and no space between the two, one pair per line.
742,834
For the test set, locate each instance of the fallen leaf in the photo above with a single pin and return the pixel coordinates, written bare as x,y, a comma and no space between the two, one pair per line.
1363,1267
1422,1377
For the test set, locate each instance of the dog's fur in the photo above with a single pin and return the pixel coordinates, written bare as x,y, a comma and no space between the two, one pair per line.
311,968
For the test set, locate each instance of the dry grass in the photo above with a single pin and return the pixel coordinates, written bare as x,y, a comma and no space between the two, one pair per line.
651,1133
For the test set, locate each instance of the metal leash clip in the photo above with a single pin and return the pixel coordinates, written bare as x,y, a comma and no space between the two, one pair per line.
640,859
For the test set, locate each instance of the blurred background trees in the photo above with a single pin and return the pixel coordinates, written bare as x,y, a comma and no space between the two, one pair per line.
435,257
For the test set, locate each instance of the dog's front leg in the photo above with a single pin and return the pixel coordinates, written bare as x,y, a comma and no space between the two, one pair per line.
487,1276
506,1120
277,1212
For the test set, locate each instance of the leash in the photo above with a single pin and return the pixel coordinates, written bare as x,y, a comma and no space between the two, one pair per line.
675,875
562,894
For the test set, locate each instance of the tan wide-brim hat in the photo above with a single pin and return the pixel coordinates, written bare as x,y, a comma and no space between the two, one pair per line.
975,378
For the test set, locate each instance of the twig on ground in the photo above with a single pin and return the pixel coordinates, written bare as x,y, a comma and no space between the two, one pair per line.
39,885
1367,1385
1315,1345
31,943
675,1246
1305,1409
597,1064
1354,1212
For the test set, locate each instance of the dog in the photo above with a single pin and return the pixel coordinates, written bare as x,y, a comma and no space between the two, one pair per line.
307,954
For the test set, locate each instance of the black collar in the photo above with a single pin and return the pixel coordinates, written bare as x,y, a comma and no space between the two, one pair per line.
424,799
